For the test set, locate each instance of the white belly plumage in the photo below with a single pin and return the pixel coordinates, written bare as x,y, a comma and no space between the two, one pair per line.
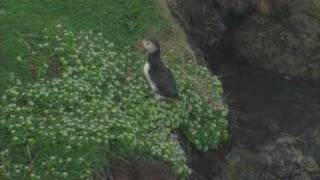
146,69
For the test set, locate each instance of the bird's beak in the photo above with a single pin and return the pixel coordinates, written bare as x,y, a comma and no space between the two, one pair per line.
140,46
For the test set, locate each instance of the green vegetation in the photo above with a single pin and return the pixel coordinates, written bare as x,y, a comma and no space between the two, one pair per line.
77,99
121,21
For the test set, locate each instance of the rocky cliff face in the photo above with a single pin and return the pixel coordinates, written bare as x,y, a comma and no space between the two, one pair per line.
286,158
282,36
274,132
286,40
201,19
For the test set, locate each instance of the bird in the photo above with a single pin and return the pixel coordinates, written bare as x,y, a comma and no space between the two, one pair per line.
160,78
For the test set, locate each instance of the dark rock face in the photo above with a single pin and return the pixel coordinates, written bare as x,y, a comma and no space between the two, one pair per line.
287,40
201,19
207,21
153,169
122,170
279,35
283,159
275,132
141,169
137,169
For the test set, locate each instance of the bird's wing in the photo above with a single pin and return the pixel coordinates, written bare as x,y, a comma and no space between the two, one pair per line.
165,82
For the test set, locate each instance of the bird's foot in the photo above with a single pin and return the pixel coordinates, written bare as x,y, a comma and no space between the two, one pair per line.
158,97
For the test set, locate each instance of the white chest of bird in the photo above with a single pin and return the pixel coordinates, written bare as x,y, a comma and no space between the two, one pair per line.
146,70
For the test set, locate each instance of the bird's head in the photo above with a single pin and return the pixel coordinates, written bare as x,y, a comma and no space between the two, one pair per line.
150,45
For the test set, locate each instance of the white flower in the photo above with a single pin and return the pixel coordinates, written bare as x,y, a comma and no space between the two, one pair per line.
19,58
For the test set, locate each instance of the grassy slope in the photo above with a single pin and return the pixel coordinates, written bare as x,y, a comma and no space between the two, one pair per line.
120,21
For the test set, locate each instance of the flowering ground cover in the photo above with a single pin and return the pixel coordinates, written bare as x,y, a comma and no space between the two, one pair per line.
76,95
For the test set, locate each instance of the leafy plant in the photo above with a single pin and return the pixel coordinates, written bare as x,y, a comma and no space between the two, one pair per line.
120,21
89,98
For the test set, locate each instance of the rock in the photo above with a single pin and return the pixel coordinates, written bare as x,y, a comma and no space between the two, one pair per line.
201,19
138,169
240,7
284,158
121,170
207,21
312,146
279,35
147,169
286,40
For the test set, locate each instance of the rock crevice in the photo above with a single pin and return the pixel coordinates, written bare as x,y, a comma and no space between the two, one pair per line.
281,36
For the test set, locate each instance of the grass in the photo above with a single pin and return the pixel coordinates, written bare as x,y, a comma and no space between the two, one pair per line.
122,22
77,95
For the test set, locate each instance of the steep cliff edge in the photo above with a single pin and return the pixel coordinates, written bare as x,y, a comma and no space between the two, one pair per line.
282,36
